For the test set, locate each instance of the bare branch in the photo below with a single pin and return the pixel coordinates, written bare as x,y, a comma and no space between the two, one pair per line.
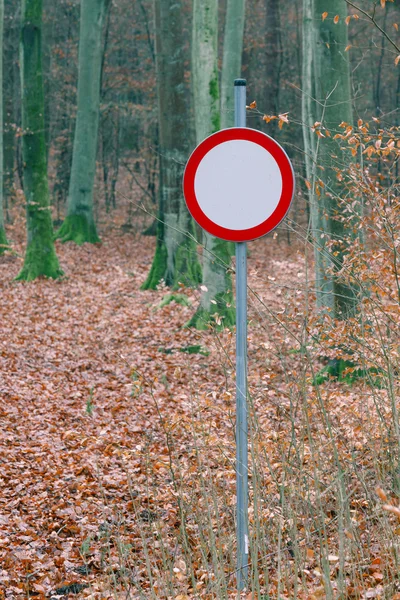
374,22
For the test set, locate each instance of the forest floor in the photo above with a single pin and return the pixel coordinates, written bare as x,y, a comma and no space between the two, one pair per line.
117,439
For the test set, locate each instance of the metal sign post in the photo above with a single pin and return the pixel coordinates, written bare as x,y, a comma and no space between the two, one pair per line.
238,186
242,486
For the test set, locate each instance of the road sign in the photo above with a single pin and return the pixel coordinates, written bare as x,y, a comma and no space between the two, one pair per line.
238,184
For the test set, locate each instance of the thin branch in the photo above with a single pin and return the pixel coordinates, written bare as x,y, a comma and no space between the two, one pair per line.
374,22
127,167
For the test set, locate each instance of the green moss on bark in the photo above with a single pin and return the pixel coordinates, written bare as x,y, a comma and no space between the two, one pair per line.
201,319
38,263
186,269
214,94
216,122
78,229
217,304
187,265
214,88
221,315
158,268
223,252
4,246
40,256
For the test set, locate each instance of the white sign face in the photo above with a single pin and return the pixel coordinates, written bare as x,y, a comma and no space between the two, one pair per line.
238,184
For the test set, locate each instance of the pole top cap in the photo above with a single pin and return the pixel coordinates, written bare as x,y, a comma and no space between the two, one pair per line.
239,82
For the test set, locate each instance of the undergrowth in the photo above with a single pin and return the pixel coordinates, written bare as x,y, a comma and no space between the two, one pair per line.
324,442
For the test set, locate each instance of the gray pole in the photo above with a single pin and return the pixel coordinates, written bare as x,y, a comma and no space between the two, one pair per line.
242,525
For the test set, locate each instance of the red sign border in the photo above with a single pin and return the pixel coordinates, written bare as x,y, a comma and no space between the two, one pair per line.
285,167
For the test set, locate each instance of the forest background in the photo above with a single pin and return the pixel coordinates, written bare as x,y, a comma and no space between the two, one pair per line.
117,387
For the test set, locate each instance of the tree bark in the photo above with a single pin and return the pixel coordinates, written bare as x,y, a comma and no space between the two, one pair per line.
216,302
40,256
329,102
323,264
3,237
10,91
232,58
379,71
79,225
274,62
333,90
175,259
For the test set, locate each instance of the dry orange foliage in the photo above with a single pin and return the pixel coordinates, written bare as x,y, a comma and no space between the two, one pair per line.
117,443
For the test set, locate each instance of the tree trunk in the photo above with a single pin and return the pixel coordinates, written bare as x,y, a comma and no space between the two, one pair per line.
40,256
332,91
216,301
274,62
3,237
175,259
232,58
379,71
323,264
10,91
79,225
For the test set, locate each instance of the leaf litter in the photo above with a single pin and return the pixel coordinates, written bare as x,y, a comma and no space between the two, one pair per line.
90,497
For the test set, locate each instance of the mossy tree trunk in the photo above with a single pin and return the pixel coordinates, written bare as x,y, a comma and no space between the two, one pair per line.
79,225
216,302
330,74
175,260
3,237
232,58
11,108
40,256
9,145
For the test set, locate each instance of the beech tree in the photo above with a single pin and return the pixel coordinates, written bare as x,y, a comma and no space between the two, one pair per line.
232,58
326,77
216,297
3,237
40,256
323,283
175,258
79,225
273,51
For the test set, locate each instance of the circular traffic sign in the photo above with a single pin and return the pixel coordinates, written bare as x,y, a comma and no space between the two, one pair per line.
238,184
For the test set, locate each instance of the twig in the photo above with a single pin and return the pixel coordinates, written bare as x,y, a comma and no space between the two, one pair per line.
374,22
